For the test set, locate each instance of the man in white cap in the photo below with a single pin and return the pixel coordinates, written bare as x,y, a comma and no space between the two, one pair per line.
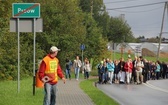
49,72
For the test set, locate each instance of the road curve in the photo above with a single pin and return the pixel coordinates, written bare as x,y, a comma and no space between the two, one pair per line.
154,92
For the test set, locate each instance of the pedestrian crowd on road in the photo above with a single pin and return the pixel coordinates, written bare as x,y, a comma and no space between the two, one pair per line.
136,71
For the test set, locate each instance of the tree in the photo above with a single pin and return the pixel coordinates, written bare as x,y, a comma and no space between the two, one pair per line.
96,45
114,28
8,44
119,31
63,27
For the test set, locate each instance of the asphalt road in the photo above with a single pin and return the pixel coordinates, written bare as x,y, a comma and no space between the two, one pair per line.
154,92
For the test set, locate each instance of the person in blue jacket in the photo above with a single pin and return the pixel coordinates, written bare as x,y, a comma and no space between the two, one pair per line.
110,70
102,69
157,70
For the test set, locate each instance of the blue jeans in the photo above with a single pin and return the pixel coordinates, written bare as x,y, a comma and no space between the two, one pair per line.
77,69
68,74
105,77
50,94
86,74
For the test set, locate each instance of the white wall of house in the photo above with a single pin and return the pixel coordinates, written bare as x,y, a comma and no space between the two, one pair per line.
137,47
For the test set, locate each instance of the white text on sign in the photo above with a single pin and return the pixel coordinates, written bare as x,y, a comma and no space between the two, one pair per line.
28,11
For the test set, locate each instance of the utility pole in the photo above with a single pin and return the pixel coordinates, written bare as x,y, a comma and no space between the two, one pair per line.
91,8
160,35
122,50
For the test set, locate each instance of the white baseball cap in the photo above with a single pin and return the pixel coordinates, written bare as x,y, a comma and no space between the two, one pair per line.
54,49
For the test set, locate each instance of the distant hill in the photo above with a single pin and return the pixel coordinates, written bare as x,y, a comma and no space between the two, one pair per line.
147,52
163,54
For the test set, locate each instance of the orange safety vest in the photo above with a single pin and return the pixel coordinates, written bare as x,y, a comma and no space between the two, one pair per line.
51,68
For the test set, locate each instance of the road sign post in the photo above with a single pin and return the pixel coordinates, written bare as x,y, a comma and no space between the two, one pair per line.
26,10
82,47
18,32
34,53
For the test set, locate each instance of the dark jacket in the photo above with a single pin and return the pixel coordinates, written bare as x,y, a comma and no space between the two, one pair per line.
121,65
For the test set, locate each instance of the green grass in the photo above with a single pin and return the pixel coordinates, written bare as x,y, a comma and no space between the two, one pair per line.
10,96
97,96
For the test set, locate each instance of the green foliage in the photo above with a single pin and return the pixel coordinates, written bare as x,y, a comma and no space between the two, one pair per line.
85,5
6,62
119,31
63,27
9,47
95,43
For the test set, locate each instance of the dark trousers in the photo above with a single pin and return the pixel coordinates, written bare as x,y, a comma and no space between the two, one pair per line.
68,74
100,77
153,75
86,74
157,75
164,74
145,77
133,79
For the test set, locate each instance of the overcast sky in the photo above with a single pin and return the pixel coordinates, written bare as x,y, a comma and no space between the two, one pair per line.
144,17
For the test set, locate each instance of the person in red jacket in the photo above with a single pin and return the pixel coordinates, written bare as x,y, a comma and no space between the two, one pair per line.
128,69
49,72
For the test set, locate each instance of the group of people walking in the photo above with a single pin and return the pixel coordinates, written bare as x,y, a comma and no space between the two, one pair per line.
135,71
76,65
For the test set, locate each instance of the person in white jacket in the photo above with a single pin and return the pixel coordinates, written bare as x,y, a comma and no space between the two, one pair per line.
77,65
87,68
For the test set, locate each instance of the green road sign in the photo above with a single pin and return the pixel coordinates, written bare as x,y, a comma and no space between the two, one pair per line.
26,10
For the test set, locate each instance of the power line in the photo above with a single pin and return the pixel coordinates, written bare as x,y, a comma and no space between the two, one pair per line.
118,1
139,11
155,23
136,6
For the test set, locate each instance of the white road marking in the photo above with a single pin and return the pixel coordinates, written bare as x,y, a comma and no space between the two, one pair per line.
156,88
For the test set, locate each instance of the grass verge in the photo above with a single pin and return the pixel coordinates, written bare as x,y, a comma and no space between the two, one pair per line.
10,96
97,96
